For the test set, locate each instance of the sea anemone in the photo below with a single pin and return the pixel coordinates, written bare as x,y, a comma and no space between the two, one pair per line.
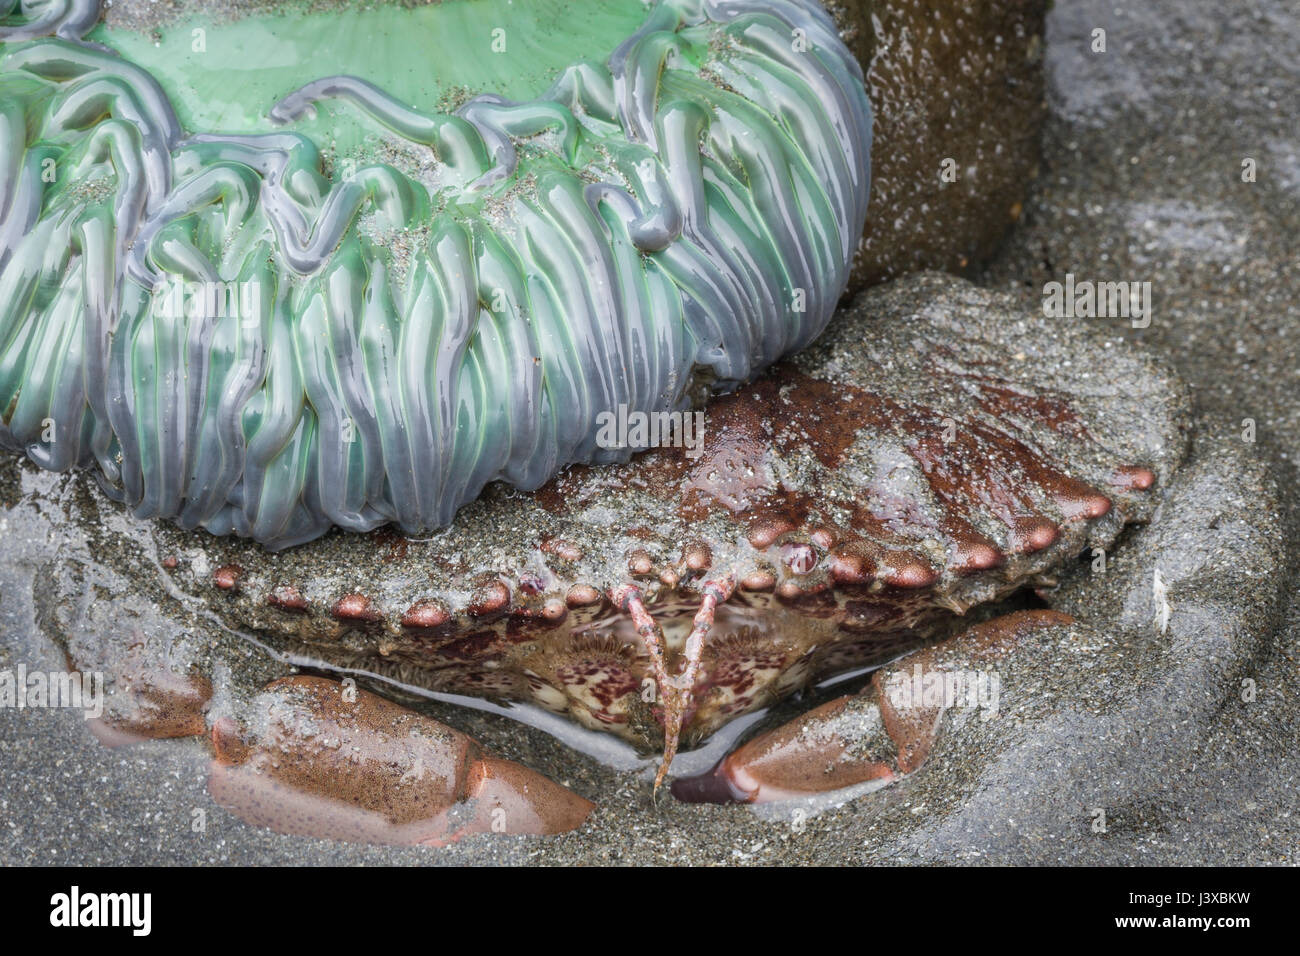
257,334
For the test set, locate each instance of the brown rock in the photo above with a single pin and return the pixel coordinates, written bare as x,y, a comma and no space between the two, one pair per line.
958,80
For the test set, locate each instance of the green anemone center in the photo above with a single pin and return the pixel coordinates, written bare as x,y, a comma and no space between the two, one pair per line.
225,74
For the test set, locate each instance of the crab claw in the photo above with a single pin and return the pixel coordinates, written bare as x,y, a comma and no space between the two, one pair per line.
837,745
157,704
328,760
883,733
149,698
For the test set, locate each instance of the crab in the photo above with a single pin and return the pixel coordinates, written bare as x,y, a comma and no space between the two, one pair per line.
863,508
848,512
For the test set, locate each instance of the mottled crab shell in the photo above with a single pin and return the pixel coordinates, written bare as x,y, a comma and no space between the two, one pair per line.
915,462
680,215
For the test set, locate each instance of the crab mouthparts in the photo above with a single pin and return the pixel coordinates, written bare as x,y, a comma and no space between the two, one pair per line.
675,691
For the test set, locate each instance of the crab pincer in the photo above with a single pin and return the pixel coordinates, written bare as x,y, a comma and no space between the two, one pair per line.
322,758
